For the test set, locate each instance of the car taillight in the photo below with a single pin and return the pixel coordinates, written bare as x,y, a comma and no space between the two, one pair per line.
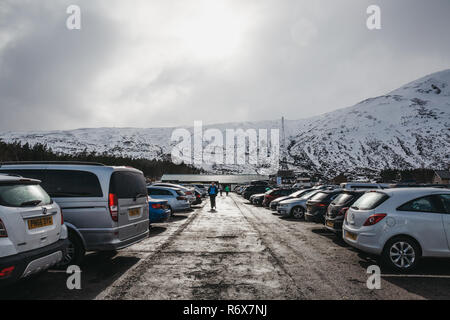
6,272
198,196
62,218
112,201
320,205
156,206
3,233
181,198
343,211
374,219
188,193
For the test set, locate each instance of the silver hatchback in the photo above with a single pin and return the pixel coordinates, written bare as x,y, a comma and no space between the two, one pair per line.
105,208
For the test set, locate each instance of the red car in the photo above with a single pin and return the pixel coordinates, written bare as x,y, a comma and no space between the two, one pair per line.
276,193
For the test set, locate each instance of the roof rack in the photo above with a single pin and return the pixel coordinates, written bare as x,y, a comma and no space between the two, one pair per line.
80,163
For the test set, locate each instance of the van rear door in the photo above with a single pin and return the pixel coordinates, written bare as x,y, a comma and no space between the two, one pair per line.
131,192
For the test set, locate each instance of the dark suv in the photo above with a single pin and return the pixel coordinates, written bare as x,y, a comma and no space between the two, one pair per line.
337,209
251,190
317,206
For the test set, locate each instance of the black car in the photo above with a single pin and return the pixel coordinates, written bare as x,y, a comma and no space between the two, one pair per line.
257,199
251,190
338,207
317,206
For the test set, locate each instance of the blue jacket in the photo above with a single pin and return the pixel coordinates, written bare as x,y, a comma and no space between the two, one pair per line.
213,190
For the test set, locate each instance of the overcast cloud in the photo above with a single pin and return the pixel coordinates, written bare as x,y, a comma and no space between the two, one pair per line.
158,63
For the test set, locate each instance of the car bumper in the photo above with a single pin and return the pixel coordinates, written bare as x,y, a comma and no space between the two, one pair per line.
363,240
159,215
284,211
334,225
181,207
108,240
313,218
31,262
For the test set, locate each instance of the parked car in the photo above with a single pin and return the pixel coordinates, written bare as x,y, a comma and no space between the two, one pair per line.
273,205
105,208
257,199
316,206
338,207
401,225
274,194
33,236
251,190
198,198
175,198
203,189
295,207
189,193
159,210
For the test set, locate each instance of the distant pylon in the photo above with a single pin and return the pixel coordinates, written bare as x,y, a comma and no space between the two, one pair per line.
283,162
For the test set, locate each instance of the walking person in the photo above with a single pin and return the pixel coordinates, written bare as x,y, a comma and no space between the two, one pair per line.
213,190
227,189
221,190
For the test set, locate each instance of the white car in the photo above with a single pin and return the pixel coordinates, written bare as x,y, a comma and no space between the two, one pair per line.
176,198
401,225
33,236
189,192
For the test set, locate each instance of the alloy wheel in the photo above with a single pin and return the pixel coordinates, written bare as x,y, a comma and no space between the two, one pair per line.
402,255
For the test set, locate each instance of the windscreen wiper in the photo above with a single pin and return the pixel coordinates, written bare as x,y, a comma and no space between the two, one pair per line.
30,203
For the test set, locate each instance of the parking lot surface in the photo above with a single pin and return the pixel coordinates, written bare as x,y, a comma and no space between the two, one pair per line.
237,252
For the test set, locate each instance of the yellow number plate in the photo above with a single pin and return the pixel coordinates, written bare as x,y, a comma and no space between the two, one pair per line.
40,222
330,224
351,236
134,212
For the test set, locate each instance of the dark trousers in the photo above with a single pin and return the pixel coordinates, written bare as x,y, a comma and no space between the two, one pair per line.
212,198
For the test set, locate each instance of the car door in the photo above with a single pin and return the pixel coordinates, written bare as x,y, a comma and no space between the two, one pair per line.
445,200
424,221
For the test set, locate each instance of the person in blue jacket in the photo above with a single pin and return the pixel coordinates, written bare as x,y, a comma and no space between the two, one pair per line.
213,190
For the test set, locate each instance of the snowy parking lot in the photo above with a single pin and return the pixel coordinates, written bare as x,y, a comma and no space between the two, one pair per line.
238,252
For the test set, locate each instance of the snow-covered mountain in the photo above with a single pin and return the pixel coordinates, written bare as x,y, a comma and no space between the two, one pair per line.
406,128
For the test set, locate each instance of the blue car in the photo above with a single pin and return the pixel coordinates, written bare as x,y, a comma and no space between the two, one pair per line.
159,210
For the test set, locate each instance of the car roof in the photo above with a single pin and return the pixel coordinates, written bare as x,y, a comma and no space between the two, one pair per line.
412,191
163,187
66,166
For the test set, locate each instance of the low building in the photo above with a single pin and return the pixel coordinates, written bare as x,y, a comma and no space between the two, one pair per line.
441,177
227,179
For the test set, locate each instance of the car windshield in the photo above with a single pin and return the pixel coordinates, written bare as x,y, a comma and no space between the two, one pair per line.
23,195
369,201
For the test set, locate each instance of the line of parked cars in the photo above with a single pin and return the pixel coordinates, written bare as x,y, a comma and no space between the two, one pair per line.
52,213
398,224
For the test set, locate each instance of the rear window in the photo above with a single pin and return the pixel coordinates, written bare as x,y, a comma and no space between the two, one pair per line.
319,196
65,183
369,201
307,195
128,185
19,195
343,198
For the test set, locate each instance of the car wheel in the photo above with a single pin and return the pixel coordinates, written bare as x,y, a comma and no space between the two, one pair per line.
170,214
401,254
298,213
74,253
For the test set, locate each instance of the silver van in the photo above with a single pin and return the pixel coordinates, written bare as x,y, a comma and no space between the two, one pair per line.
105,208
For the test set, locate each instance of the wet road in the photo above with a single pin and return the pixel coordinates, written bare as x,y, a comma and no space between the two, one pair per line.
238,252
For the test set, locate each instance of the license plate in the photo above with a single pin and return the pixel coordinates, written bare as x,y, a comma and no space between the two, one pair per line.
134,212
40,222
330,223
351,236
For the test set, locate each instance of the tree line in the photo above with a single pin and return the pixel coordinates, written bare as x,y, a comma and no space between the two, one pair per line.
154,169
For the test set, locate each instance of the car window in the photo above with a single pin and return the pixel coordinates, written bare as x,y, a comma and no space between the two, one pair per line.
319,196
65,183
445,199
20,195
424,204
127,184
307,195
370,200
342,199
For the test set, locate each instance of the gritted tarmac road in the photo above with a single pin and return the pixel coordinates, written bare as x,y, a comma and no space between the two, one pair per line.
238,252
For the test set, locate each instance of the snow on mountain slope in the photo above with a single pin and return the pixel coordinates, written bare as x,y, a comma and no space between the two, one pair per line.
406,128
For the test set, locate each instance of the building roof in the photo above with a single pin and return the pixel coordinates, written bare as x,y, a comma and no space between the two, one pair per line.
204,178
443,174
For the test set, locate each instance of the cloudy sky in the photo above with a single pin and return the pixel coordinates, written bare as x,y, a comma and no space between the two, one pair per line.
151,63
